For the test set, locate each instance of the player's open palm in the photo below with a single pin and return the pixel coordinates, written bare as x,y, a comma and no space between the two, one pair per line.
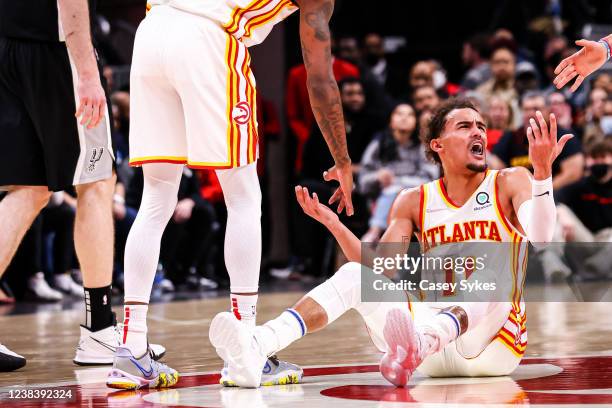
581,64
313,208
544,147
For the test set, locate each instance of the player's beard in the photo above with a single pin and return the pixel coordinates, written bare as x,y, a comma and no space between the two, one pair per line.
477,168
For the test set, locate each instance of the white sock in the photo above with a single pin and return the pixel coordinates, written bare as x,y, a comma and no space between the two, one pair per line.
244,307
135,329
279,333
440,331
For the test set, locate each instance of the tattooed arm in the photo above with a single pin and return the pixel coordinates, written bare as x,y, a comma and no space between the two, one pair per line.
324,94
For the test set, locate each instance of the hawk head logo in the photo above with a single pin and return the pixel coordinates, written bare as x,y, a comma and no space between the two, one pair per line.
241,113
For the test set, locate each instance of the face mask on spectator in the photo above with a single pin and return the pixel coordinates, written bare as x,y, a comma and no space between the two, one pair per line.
599,171
606,124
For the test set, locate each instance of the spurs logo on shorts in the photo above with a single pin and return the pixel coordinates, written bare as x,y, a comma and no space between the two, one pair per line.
241,113
96,155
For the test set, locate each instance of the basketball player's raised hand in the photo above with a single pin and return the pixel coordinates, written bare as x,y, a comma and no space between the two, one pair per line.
313,208
544,147
583,63
92,101
344,175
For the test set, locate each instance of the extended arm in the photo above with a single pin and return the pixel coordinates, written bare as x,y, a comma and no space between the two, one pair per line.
74,16
323,91
532,200
583,63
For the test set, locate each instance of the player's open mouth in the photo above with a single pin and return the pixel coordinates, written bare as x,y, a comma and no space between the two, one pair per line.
477,149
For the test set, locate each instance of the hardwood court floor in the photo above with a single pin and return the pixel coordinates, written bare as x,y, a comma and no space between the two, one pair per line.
576,338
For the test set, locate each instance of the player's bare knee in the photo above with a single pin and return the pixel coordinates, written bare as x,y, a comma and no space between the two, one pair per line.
39,196
98,191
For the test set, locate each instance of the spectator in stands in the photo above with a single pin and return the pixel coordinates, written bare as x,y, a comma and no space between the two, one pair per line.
393,161
557,103
526,78
380,103
374,56
297,102
593,130
500,120
475,57
360,125
585,215
503,69
512,148
425,98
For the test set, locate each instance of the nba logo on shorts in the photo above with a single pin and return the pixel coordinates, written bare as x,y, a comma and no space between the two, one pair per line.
241,113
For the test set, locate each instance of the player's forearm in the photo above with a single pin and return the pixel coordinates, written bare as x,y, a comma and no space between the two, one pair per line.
323,91
74,16
327,108
349,243
538,216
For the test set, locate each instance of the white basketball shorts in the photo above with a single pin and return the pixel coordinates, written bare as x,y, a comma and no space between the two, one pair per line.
192,94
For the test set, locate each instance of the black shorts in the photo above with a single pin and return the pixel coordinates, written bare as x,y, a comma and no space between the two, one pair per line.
41,142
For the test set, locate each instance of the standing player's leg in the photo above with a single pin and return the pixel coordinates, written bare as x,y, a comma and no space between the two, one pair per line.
242,248
159,198
158,143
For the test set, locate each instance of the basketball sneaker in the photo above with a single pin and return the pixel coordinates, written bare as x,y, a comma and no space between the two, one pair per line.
131,373
404,348
98,348
275,372
9,360
246,364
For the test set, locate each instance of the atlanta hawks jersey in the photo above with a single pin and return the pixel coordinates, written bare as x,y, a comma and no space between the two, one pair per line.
249,21
476,229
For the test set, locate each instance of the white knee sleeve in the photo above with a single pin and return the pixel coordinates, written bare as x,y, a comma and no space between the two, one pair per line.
339,293
159,198
243,233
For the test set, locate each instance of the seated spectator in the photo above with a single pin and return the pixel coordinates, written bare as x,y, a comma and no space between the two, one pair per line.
596,110
557,103
374,56
513,147
393,161
585,215
503,70
526,78
499,118
425,98
475,57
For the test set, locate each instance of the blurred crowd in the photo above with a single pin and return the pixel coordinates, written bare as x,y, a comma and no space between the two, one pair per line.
386,108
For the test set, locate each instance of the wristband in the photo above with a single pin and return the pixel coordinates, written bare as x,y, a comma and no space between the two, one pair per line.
541,188
607,47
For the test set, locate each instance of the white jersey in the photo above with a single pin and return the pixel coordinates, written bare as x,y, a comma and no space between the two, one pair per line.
249,21
479,220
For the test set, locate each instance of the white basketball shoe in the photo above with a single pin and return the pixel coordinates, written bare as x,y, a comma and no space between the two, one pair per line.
246,364
98,348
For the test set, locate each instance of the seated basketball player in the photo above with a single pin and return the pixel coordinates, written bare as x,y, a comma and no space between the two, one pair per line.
413,334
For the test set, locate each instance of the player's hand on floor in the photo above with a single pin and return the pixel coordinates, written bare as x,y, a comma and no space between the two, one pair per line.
583,63
313,208
342,195
544,147
92,102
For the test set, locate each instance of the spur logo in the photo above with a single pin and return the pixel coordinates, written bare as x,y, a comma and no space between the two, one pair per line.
96,155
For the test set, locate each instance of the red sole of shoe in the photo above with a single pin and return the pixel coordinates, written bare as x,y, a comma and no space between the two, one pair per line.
400,360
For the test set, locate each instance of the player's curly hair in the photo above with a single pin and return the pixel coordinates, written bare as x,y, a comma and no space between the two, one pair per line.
438,121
